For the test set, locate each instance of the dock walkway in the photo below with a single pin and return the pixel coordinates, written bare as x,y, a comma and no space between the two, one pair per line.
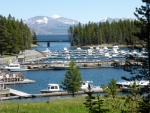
19,93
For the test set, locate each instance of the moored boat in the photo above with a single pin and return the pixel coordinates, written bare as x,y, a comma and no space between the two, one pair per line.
14,67
126,86
52,88
88,85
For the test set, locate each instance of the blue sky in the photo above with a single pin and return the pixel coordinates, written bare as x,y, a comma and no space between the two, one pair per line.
80,10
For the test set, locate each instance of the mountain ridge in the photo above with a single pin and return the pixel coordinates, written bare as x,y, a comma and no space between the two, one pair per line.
49,25
44,25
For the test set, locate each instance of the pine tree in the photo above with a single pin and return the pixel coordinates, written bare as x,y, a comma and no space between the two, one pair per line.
34,37
72,80
143,15
112,89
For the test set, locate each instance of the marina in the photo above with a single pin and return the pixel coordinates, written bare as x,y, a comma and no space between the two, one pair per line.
98,69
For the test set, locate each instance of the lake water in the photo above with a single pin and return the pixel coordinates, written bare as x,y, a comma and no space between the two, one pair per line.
43,77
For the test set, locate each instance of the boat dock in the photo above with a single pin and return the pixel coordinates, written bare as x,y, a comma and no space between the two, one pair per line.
63,93
15,94
19,93
25,81
80,64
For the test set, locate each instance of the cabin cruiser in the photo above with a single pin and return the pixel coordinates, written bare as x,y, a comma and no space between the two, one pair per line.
127,85
85,86
88,85
61,65
14,67
46,52
52,88
115,47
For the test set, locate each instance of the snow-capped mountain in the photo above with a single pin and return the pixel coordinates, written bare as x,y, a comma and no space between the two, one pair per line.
44,25
50,25
110,20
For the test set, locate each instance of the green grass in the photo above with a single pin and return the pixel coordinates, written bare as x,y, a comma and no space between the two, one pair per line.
67,105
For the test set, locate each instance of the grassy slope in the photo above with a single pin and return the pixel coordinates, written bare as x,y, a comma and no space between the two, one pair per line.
67,105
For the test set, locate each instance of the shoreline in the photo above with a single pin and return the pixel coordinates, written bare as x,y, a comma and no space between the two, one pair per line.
109,46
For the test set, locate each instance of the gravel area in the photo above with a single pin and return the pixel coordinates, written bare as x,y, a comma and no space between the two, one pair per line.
29,54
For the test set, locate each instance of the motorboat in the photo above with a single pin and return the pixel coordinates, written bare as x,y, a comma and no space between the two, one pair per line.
122,52
115,47
61,65
67,56
85,86
46,52
52,88
88,85
127,85
14,67
107,55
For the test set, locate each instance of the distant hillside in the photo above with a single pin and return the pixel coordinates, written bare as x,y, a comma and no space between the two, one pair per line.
44,25
110,20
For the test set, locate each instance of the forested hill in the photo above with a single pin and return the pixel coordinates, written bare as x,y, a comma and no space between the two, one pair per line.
121,32
15,36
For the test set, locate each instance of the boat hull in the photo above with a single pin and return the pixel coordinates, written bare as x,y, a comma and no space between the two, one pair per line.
48,91
16,70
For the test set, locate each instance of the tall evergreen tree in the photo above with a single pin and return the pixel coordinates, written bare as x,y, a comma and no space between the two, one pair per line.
72,81
34,37
143,15
14,36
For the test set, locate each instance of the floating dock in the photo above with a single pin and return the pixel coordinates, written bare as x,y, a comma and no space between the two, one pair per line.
20,93
100,90
25,81
15,94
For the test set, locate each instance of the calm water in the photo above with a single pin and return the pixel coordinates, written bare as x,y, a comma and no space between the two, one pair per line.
98,76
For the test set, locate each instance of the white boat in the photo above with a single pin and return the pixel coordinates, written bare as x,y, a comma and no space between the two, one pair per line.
107,55
85,85
64,65
122,52
105,48
88,85
67,56
126,85
14,67
46,52
78,49
115,47
52,88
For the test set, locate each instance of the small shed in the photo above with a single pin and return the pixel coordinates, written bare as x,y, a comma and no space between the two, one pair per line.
21,59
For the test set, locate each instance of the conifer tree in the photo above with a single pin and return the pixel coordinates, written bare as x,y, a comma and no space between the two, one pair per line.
143,15
34,37
72,81
112,89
